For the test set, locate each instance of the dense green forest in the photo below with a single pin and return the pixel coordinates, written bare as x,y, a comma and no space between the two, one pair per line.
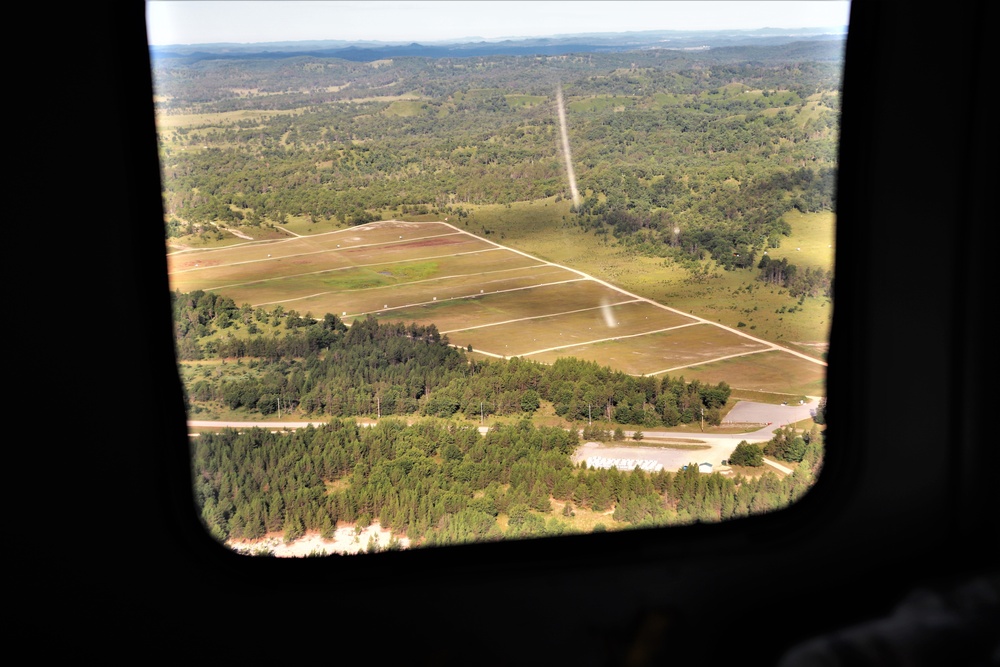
683,154
438,482
322,368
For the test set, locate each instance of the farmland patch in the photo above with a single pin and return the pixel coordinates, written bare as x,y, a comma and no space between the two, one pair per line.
397,302
772,371
498,301
542,292
671,350
523,336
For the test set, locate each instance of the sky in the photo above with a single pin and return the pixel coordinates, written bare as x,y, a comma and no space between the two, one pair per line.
209,21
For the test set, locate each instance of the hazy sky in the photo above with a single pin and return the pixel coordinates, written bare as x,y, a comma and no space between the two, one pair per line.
205,21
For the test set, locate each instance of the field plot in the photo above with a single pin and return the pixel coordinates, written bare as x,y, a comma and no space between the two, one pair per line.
354,237
498,301
483,269
570,327
223,269
396,302
570,292
662,351
770,371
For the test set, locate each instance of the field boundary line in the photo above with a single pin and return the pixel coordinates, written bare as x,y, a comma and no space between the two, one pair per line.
605,340
658,305
538,317
365,266
312,252
424,303
365,227
710,361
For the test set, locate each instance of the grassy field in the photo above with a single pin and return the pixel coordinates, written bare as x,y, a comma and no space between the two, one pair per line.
583,519
670,351
766,372
571,328
600,103
505,303
526,100
194,121
545,230
406,108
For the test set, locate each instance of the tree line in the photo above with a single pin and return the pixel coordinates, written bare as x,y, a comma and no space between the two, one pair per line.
799,283
787,445
379,368
438,482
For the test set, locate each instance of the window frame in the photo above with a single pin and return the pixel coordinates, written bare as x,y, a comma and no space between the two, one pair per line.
858,545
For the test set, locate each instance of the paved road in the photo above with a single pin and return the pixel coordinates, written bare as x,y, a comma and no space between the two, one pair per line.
717,446
762,413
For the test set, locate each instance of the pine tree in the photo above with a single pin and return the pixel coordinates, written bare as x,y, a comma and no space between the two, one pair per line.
294,528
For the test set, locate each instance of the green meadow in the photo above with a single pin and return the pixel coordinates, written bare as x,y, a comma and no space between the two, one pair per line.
545,230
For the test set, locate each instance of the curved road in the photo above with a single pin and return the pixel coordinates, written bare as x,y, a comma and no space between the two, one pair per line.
718,446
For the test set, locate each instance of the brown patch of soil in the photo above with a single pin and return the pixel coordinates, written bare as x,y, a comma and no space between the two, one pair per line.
423,243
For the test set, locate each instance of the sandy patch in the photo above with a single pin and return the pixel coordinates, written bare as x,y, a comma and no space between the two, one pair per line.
346,540
672,460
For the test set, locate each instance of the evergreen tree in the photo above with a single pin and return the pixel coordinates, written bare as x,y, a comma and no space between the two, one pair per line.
747,454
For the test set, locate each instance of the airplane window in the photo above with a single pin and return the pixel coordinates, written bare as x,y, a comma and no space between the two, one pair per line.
460,272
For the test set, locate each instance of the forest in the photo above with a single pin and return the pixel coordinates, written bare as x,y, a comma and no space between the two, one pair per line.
681,154
438,482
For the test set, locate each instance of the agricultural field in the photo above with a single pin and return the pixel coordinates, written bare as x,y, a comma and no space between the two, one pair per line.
490,299
723,297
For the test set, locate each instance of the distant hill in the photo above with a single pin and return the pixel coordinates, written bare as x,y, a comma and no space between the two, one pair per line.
368,51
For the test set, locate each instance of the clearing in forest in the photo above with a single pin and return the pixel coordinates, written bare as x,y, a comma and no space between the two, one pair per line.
491,299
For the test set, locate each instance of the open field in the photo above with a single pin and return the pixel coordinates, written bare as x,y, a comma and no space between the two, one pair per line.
770,371
526,335
520,304
166,120
662,351
812,245
499,301
341,249
545,229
